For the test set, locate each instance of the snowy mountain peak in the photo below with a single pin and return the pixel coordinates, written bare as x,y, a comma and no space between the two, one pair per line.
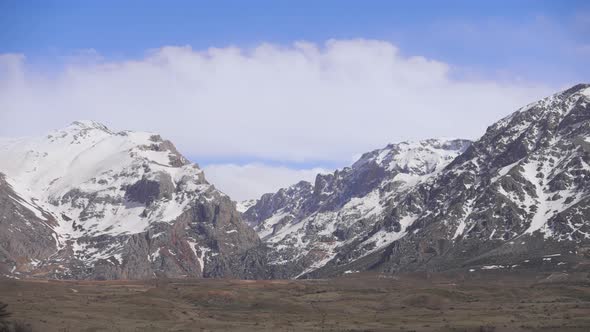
307,224
86,171
243,206
88,125
580,88
117,205
558,104
417,158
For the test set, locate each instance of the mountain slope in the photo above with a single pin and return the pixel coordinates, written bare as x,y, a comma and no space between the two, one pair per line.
307,225
519,196
126,205
26,231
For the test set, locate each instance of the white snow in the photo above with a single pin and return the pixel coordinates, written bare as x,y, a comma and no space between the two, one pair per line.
492,267
88,158
202,258
243,206
540,217
383,237
25,199
504,170
266,227
463,221
419,157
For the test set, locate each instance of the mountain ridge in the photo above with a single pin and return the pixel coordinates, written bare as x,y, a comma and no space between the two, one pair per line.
307,223
85,202
482,209
477,197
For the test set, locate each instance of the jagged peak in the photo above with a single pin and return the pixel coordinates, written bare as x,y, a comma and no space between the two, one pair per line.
405,153
88,125
560,102
583,88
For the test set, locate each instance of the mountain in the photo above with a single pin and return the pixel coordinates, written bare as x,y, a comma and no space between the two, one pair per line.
26,231
243,206
85,202
516,198
89,203
307,225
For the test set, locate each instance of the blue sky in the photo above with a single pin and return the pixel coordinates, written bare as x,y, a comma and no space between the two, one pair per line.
538,39
266,101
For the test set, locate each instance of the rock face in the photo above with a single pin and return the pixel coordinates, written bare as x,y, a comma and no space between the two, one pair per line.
26,231
518,196
307,225
89,203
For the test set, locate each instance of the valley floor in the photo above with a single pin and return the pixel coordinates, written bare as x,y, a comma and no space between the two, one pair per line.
478,301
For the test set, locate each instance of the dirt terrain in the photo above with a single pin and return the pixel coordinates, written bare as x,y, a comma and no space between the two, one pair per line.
479,301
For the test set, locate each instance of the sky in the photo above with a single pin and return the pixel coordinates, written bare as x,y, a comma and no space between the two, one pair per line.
262,94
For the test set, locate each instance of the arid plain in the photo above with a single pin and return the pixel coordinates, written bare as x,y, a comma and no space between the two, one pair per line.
455,301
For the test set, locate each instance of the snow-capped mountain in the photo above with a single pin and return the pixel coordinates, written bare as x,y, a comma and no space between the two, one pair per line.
87,202
517,197
243,206
115,205
306,225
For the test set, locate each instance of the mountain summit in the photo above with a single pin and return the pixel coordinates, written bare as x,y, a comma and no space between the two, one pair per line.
93,203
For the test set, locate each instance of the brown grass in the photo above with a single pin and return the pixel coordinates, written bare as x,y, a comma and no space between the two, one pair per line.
358,302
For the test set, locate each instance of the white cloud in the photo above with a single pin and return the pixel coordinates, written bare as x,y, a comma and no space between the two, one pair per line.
253,180
300,102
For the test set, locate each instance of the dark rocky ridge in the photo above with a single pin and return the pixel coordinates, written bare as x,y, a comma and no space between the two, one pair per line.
308,223
513,197
517,197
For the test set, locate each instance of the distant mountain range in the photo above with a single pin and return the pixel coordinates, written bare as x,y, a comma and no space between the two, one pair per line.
88,203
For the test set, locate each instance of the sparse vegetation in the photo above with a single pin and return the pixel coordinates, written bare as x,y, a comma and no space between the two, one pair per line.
486,301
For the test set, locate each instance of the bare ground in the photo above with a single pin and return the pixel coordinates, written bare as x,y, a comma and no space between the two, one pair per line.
481,301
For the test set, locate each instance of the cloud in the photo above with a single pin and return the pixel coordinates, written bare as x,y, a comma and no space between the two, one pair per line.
242,182
299,102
